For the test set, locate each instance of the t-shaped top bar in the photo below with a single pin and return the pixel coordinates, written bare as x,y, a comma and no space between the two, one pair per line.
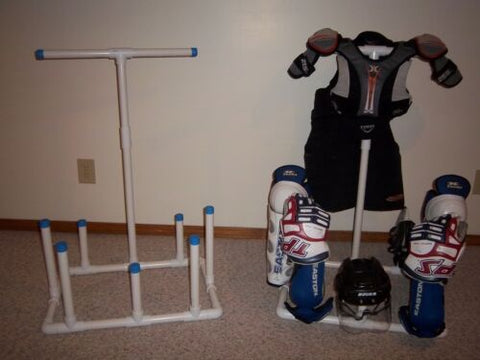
121,56
127,53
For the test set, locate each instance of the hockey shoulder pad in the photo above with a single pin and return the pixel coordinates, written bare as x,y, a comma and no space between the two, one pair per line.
304,229
323,43
444,71
434,249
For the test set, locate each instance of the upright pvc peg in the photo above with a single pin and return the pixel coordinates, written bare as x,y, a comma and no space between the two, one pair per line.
49,258
82,236
194,275
179,236
209,211
61,248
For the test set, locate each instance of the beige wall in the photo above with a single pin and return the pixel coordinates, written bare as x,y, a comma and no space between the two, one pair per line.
209,130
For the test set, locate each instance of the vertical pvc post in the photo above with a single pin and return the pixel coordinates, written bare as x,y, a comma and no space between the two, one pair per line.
209,211
194,275
49,258
63,267
120,62
362,183
137,311
179,236
82,236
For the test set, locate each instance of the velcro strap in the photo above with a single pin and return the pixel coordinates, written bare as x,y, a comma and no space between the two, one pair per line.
428,231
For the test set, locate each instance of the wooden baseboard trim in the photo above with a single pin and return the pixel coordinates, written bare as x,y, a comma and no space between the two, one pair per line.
169,230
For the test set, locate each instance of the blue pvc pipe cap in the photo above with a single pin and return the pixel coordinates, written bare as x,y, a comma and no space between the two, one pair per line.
134,268
61,246
194,239
179,217
209,209
82,223
194,52
44,223
39,54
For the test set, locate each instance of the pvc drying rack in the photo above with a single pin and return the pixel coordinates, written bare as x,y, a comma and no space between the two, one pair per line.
374,52
59,282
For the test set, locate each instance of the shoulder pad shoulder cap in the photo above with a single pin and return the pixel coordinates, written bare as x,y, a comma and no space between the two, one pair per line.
324,41
429,47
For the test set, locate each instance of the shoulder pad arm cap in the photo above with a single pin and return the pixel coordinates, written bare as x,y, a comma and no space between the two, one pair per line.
324,41
429,47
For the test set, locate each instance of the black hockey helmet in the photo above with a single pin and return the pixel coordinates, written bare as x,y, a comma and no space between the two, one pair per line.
363,290
362,282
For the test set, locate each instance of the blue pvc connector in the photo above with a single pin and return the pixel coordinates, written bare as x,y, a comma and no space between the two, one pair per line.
82,223
178,217
194,52
194,239
209,209
61,246
134,268
44,223
39,54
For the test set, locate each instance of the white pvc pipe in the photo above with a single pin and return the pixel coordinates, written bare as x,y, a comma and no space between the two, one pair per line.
114,53
125,142
362,182
82,237
147,320
179,236
209,211
62,257
194,275
137,311
52,278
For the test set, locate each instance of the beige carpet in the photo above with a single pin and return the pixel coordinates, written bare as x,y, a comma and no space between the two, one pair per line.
248,329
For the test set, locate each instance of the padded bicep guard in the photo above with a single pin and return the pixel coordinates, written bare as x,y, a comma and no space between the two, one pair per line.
444,71
323,43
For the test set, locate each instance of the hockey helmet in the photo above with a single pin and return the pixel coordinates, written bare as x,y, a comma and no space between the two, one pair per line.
363,293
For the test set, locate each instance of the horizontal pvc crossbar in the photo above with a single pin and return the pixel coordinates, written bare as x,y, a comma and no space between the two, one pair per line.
127,53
